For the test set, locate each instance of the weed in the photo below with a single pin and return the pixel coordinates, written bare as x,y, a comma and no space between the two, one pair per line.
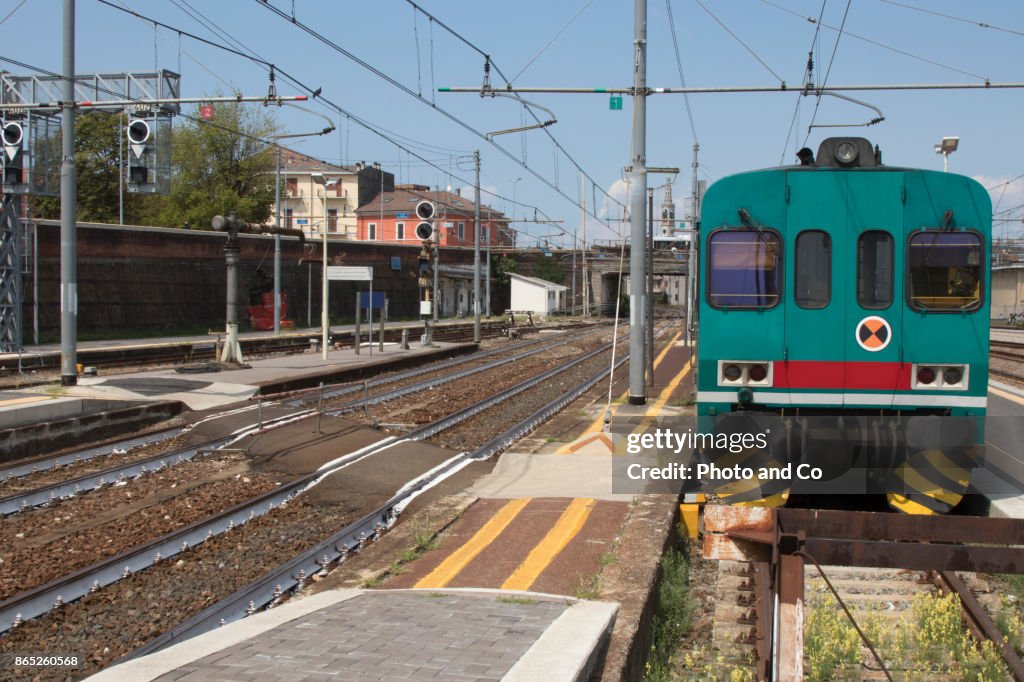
408,556
423,534
512,599
372,582
55,391
587,588
831,644
674,616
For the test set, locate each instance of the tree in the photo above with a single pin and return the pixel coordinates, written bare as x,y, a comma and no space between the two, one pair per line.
220,165
98,141
548,269
503,266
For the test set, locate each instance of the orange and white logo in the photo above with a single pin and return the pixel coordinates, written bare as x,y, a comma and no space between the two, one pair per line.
873,333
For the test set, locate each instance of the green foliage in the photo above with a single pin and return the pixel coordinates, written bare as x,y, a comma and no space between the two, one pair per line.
674,617
503,266
549,269
219,166
831,644
98,138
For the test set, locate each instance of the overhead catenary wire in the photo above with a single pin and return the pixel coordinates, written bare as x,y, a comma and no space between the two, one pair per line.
828,70
552,41
874,42
979,24
679,67
455,119
349,116
740,41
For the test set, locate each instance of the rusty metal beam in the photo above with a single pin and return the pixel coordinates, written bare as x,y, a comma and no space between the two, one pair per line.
915,556
885,526
789,645
764,609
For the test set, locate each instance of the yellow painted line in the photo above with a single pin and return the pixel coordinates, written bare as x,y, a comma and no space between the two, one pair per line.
540,557
908,506
598,424
18,401
915,480
457,560
1004,394
664,395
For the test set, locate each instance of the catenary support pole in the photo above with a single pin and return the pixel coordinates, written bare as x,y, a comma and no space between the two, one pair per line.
476,252
277,245
68,210
638,209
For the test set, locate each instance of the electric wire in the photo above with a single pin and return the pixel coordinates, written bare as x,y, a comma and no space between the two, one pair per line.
794,123
522,102
979,24
11,13
876,43
740,41
551,42
455,119
828,70
679,67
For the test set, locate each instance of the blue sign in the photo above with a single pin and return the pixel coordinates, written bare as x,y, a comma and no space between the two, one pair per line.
302,221
378,300
401,215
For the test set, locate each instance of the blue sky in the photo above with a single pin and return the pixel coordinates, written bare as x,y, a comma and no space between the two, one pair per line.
585,43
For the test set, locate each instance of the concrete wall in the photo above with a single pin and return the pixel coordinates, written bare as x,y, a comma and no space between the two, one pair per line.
159,279
1007,292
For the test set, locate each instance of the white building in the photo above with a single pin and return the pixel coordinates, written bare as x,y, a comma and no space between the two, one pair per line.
537,295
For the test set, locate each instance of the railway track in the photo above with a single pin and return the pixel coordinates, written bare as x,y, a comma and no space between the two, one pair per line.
496,433
135,460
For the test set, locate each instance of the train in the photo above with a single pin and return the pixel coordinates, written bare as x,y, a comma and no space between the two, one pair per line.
844,318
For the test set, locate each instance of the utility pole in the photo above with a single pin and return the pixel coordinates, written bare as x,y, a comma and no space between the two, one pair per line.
691,267
638,208
277,245
68,210
583,217
490,231
649,346
476,252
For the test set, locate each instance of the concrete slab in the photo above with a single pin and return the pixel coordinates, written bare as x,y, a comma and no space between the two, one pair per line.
532,475
413,634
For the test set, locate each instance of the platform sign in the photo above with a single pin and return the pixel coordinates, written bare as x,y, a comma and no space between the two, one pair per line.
302,221
349,273
401,215
615,103
371,299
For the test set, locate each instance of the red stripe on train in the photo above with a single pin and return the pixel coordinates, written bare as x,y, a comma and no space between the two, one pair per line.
889,376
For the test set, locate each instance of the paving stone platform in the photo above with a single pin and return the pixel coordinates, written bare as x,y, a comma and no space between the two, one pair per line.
457,635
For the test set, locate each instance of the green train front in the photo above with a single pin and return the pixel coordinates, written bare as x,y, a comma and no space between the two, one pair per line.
844,314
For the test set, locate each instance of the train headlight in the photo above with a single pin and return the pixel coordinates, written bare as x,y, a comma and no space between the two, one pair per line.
952,375
757,373
732,372
846,153
925,375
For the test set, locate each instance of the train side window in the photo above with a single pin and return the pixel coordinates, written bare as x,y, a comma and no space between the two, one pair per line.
944,270
744,269
874,269
812,273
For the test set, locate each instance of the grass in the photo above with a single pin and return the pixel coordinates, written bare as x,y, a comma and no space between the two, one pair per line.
55,391
587,587
512,599
673,618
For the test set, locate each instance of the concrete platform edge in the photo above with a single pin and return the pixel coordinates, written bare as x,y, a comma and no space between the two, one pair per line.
570,647
183,653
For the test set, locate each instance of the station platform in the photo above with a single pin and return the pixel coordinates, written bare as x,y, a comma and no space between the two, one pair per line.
393,635
201,390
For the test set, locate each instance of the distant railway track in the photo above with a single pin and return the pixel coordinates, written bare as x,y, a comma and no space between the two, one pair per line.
145,354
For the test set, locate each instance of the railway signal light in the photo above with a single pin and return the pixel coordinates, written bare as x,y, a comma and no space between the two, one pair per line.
138,133
13,137
425,212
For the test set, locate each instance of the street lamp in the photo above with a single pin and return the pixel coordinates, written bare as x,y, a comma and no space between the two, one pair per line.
947,147
323,180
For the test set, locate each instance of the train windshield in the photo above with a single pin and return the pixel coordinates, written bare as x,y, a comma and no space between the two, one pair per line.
945,270
744,269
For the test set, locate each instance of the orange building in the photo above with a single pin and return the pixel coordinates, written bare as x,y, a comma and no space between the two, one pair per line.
391,217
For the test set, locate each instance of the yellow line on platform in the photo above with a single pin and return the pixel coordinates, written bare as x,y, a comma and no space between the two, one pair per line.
457,560
1005,394
598,423
19,401
565,529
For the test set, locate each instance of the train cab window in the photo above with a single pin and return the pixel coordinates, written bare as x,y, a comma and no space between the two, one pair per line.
744,269
812,276
874,269
945,270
